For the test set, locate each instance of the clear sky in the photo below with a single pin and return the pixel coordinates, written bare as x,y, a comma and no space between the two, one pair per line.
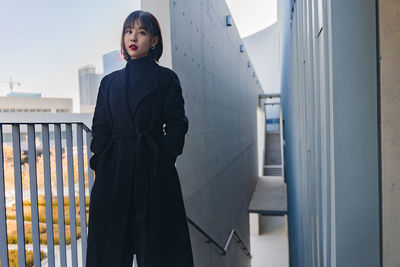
45,42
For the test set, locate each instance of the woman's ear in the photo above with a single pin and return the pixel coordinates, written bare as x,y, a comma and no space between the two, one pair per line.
154,40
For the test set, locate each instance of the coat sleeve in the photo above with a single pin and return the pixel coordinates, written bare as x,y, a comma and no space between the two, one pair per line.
175,120
101,130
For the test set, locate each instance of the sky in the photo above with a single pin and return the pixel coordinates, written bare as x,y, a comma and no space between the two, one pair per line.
43,44
252,16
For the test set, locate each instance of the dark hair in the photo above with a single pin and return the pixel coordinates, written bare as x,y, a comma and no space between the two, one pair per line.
150,24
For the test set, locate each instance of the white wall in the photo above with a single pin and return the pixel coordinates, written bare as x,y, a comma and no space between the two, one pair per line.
263,49
260,140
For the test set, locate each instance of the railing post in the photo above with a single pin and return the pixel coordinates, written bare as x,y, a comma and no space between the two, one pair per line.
34,194
33,185
60,194
82,198
3,222
18,194
89,154
48,195
71,195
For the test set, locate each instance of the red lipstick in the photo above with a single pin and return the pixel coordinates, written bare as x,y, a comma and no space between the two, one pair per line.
132,47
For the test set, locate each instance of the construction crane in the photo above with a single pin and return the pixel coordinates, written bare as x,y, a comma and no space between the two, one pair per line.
11,83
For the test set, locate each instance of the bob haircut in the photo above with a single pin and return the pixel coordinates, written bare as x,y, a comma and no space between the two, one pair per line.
150,24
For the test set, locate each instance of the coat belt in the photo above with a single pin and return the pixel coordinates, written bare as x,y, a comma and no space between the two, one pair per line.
146,156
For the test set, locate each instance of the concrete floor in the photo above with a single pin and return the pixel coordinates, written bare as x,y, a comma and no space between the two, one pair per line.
270,248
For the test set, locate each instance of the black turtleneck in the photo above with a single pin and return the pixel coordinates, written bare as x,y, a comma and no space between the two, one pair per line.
134,66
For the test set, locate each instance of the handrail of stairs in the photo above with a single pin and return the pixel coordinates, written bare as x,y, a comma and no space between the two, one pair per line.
228,241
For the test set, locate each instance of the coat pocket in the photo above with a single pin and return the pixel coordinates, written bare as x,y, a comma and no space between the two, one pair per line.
97,156
105,192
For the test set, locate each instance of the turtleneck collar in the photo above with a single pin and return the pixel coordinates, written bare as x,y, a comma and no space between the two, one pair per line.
136,64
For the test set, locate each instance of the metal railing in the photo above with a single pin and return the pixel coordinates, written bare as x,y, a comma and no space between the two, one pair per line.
58,137
228,241
58,133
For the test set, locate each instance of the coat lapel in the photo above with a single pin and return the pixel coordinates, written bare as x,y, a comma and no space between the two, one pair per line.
144,84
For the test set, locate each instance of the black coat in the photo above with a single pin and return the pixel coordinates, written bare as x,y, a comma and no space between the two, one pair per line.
130,145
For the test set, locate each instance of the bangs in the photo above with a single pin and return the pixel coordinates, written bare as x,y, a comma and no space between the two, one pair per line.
147,22
141,19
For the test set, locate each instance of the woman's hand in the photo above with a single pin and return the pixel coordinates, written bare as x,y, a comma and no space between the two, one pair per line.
175,120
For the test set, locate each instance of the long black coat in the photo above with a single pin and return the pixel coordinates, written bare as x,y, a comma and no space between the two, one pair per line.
130,145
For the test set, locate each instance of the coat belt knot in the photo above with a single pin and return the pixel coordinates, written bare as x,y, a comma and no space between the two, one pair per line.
147,156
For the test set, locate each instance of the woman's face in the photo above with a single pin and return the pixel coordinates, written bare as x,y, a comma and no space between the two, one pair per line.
138,41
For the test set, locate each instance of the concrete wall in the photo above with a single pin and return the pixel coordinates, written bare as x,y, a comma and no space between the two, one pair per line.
390,121
331,134
160,9
218,167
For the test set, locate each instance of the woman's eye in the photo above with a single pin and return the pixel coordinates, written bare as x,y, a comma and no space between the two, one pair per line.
142,32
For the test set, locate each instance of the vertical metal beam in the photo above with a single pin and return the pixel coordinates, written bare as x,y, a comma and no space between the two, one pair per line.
3,221
82,198
18,194
282,142
48,195
71,194
34,194
60,194
379,121
355,134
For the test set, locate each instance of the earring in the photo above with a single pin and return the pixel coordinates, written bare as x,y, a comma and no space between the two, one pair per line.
152,47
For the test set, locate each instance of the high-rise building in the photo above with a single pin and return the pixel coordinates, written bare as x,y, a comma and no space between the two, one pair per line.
113,61
89,82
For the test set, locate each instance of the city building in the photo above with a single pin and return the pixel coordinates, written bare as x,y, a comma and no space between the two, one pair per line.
113,61
28,102
89,82
24,94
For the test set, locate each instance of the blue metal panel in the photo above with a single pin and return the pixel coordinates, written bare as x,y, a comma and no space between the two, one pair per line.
330,134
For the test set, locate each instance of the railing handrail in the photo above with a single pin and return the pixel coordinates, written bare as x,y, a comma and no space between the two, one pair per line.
84,126
228,241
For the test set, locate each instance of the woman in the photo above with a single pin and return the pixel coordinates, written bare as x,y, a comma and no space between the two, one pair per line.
138,129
